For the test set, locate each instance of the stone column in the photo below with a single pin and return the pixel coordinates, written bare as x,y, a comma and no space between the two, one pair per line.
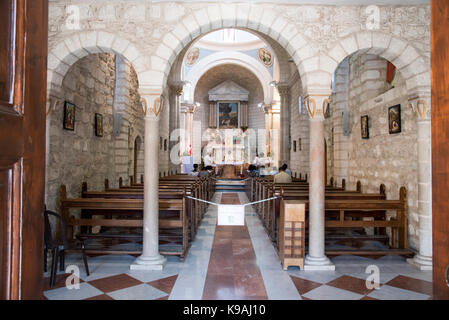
284,93
150,258
316,259
177,88
423,260
268,126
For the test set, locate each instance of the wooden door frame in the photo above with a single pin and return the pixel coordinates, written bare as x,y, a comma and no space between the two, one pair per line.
22,145
440,146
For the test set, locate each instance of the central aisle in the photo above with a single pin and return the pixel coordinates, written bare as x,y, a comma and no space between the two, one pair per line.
233,273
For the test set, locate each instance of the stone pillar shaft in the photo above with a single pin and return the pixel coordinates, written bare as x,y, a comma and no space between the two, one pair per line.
316,259
423,260
284,93
150,258
316,189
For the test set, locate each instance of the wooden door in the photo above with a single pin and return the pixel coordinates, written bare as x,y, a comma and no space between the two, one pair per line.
440,146
23,79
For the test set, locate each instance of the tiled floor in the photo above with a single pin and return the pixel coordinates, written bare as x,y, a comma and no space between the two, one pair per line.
240,263
233,273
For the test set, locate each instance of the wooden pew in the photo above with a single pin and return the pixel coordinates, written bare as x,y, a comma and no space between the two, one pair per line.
341,205
358,207
121,207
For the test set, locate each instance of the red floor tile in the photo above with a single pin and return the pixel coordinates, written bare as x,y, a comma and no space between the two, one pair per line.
115,283
165,284
412,284
303,286
351,284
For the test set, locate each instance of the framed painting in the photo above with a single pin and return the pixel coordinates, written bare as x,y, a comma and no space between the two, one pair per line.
364,124
228,115
69,116
394,119
98,125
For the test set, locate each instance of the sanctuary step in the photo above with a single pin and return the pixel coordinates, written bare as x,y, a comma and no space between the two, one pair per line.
230,185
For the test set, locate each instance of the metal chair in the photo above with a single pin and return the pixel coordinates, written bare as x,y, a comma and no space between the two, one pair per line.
59,247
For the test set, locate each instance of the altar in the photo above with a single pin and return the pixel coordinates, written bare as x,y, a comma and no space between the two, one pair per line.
228,170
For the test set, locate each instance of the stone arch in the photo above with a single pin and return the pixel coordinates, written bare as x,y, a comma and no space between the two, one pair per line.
242,16
414,67
236,58
71,49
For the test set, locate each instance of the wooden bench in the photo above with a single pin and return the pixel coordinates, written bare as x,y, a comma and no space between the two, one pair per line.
343,209
172,211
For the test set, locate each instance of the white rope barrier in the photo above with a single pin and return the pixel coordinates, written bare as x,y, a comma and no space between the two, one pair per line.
246,204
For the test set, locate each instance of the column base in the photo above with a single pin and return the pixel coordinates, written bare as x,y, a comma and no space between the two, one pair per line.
149,263
423,263
318,264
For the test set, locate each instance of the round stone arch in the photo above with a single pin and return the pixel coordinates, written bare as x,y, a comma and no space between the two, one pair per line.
242,16
414,67
236,58
71,49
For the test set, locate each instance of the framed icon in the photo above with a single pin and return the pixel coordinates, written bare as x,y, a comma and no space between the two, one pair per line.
69,116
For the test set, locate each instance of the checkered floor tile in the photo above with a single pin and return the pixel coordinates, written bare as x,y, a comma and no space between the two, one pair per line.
346,287
115,287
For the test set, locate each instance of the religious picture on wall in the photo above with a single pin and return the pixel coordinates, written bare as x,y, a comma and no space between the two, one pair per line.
265,57
228,115
192,56
98,125
364,122
394,119
69,116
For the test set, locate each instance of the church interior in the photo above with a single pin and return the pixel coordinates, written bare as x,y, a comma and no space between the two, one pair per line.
224,151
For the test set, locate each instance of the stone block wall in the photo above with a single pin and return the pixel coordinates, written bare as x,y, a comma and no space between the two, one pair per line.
299,128
79,155
391,159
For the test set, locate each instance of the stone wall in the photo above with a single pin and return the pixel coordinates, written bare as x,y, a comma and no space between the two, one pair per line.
299,128
391,159
79,155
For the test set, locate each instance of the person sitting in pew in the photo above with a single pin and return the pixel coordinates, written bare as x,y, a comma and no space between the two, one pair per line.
195,171
282,176
286,169
204,172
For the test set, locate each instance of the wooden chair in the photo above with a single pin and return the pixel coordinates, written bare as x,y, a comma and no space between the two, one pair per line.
59,247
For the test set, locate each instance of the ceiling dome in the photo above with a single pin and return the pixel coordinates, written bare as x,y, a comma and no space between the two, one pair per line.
230,39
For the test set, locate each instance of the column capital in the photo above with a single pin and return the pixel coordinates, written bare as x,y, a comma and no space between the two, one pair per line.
316,105
421,105
177,87
188,107
152,102
267,108
283,89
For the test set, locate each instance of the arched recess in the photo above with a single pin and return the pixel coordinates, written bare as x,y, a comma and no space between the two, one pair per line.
246,17
237,58
67,52
414,67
